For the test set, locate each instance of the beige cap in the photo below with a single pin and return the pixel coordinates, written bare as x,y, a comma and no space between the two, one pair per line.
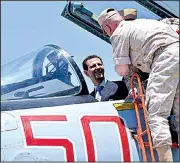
128,14
105,15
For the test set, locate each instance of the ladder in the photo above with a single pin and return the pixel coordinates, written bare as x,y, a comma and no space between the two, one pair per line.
140,132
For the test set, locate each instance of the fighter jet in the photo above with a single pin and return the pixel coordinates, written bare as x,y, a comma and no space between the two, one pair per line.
47,113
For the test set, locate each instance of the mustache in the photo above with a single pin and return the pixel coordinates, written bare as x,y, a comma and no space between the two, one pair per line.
99,70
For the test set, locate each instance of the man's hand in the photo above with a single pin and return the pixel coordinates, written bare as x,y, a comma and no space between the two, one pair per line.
134,99
135,91
130,96
122,70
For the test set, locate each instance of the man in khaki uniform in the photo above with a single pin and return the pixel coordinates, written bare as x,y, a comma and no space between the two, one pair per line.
131,14
152,47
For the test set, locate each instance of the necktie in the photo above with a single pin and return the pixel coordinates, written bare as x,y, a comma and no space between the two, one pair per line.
98,92
99,88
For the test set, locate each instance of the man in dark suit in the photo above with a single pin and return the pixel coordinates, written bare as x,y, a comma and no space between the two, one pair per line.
104,90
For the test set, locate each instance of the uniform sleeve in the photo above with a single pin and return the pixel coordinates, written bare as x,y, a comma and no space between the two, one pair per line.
121,50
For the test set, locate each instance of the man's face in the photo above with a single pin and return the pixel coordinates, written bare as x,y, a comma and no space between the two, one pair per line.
95,70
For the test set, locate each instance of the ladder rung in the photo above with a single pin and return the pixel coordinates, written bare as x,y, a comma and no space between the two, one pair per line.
141,95
146,144
139,106
144,132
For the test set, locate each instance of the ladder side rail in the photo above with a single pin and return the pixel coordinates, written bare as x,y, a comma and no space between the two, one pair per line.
140,132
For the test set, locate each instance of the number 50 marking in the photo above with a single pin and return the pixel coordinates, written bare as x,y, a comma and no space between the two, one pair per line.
67,144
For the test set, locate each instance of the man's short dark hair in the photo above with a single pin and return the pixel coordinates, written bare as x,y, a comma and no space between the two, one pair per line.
85,67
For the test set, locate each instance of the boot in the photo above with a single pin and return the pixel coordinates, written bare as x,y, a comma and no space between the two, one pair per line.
165,153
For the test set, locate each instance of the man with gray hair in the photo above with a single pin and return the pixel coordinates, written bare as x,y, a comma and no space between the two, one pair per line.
152,47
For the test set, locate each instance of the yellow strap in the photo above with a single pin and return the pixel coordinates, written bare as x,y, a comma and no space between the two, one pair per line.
124,106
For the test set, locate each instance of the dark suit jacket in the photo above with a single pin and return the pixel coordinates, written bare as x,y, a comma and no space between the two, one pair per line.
113,90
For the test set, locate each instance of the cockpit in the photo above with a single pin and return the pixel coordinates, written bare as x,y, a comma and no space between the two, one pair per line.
47,72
